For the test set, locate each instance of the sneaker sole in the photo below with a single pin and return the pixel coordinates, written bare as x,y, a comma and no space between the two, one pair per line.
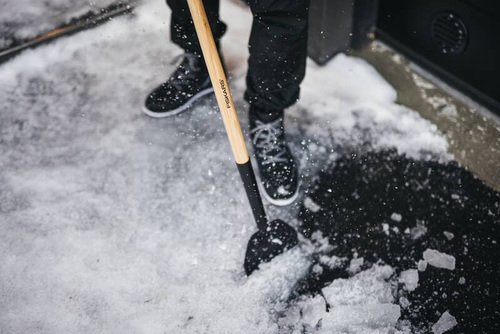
280,202
277,202
182,108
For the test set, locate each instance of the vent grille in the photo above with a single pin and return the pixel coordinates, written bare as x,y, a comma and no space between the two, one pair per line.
449,33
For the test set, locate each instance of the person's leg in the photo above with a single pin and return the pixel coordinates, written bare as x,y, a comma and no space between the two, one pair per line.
182,30
276,67
278,51
190,81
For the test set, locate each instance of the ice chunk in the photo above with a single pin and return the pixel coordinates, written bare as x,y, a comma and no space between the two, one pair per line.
444,324
418,231
333,261
448,235
409,278
385,228
355,265
314,310
321,243
361,304
404,302
375,315
369,286
439,260
282,190
386,272
277,241
317,269
291,317
311,205
422,265
461,280
396,217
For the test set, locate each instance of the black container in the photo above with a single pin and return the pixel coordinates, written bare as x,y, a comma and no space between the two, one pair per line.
459,41
338,25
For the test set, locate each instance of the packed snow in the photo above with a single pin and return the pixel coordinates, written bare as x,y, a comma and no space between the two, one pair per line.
114,222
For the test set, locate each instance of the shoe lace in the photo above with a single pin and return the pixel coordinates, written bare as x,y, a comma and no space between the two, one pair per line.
184,73
266,139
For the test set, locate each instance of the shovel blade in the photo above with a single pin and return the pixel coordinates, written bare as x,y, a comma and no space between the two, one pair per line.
264,245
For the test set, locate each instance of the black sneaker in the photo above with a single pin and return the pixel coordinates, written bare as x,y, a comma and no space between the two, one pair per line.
278,170
188,83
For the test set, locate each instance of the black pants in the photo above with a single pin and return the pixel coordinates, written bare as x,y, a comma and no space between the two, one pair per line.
278,48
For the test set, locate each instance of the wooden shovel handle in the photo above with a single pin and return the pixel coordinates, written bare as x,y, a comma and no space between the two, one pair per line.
219,81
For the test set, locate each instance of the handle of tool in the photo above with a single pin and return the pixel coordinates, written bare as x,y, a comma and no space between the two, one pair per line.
219,81
227,109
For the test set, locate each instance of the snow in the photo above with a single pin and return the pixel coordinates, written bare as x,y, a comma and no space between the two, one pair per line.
362,106
313,311
321,243
422,265
410,279
385,228
421,82
404,302
439,260
355,265
117,223
418,231
396,217
23,19
332,262
311,205
448,235
444,324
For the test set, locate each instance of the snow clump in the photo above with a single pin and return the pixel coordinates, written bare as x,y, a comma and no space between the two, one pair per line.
409,278
396,217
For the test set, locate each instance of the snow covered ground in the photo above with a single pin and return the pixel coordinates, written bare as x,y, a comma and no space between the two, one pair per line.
114,222
23,19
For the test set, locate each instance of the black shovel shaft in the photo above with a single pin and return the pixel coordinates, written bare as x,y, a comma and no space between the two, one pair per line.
250,183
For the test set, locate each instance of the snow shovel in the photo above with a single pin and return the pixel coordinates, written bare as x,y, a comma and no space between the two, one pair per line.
273,237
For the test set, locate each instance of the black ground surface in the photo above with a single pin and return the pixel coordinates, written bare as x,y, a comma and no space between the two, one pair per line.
359,194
